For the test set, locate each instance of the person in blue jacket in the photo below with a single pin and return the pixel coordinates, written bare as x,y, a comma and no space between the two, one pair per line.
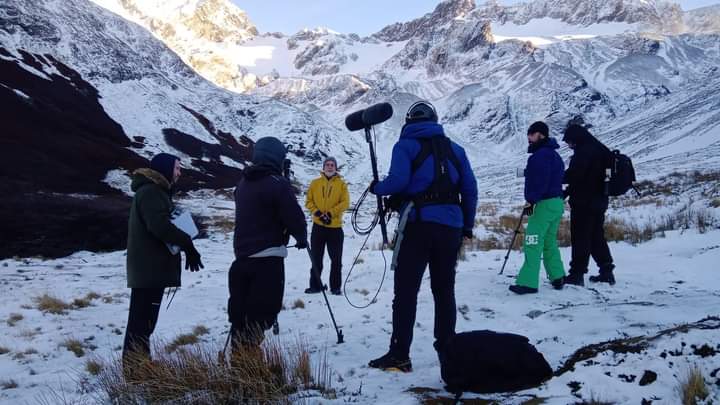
544,206
433,178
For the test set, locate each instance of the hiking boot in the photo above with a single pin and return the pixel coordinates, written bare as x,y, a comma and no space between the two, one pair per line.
575,279
336,292
603,278
559,283
313,290
521,289
389,362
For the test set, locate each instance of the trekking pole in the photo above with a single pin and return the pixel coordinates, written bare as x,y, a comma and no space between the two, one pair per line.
517,230
340,337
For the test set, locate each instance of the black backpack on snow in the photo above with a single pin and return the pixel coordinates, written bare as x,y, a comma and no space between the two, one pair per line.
622,174
484,361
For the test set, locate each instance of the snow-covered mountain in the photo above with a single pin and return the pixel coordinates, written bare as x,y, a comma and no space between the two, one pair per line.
202,32
705,19
137,98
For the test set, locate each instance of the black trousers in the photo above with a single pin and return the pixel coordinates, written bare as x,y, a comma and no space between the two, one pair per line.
256,289
425,244
142,318
333,238
587,235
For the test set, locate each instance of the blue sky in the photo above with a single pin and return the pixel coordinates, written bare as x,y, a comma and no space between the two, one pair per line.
361,17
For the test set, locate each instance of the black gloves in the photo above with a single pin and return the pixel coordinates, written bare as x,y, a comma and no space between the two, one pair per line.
467,233
301,244
192,259
528,209
326,218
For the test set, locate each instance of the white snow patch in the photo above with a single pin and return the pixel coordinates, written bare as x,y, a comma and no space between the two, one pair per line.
119,179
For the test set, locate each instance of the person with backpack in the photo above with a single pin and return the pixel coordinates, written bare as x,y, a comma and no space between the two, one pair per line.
433,176
587,178
151,265
327,200
266,213
544,207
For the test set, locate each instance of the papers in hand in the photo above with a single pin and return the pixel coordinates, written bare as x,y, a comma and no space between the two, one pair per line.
184,222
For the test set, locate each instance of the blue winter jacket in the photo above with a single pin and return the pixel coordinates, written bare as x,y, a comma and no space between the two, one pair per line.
401,181
544,172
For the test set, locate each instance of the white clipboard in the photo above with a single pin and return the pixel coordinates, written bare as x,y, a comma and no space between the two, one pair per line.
184,222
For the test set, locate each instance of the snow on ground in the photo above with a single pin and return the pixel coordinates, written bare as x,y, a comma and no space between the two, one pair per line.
661,284
545,31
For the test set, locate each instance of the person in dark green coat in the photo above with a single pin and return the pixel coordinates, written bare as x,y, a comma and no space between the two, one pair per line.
151,266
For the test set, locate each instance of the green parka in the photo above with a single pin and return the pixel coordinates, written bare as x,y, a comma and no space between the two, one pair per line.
149,261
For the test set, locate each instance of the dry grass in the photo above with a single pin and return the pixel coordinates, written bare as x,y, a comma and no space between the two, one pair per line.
715,203
693,387
75,346
93,367
52,305
4,350
8,384
200,330
14,318
271,374
185,339
92,296
298,304
81,303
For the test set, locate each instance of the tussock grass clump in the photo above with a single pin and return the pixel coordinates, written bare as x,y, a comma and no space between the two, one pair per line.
92,296
186,339
197,375
200,330
75,346
14,318
93,367
8,384
4,350
52,305
693,387
298,304
81,303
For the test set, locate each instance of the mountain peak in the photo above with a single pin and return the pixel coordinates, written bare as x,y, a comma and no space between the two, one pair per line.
444,12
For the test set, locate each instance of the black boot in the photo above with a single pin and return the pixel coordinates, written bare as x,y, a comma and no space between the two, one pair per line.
559,283
575,279
521,289
604,278
389,362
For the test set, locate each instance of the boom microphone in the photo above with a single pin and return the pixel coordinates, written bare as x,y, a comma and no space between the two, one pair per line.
373,115
354,121
377,113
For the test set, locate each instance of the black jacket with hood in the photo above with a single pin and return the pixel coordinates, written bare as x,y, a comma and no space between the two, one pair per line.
585,175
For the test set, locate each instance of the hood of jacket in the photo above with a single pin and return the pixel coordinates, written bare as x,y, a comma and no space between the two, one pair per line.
142,177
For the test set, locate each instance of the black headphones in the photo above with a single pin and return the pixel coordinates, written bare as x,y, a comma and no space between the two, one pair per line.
421,111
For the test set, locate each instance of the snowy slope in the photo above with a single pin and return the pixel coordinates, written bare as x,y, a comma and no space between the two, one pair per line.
662,284
145,87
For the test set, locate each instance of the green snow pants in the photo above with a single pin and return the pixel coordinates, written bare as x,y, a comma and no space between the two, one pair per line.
541,241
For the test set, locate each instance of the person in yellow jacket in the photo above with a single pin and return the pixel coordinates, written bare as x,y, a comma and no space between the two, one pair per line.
327,200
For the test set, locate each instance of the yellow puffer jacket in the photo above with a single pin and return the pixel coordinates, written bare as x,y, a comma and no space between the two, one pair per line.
328,195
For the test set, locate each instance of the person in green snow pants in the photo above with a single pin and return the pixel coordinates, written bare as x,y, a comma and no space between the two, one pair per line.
544,195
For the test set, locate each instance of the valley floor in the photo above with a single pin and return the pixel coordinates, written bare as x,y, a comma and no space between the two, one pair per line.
661,284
